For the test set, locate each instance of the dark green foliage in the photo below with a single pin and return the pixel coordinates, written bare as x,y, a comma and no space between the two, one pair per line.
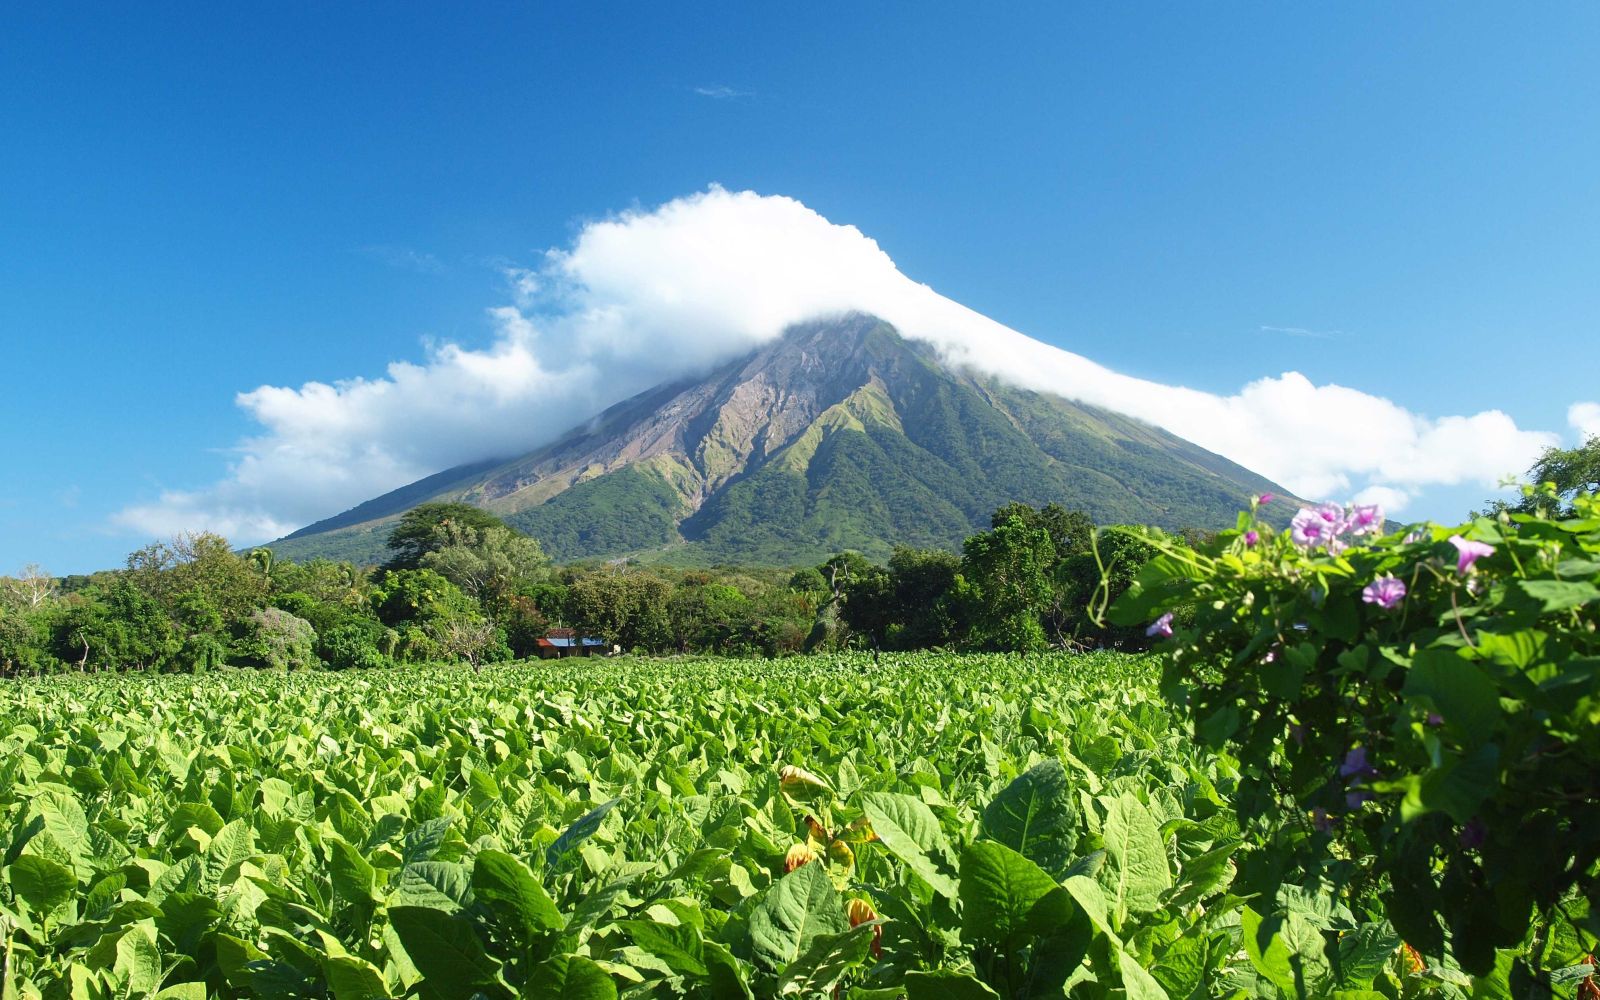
922,583
1414,715
1008,572
425,528
627,609
353,644
629,510
122,628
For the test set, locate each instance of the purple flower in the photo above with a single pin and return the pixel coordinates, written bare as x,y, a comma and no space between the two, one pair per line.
1161,628
1251,537
1366,520
1386,592
1265,498
1355,764
1470,552
1355,799
1309,529
1473,834
1435,719
1320,820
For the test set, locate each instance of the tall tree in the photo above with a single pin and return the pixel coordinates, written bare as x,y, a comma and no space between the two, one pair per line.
1569,470
486,563
427,527
1008,570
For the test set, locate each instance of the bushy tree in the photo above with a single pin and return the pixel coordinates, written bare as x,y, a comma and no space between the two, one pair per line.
626,608
1008,570
419,604
122,627
714,617
201,563
428,527
280,641
486,563
1567,471
352,645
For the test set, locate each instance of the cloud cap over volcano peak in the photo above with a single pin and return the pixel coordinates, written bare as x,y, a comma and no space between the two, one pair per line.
652,295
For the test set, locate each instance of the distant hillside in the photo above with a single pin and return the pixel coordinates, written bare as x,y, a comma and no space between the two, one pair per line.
841,434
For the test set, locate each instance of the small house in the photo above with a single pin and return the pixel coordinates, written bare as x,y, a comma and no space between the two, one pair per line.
559,642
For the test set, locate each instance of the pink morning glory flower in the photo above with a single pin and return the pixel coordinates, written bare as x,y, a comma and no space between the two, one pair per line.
1251,537
1161,628
1308,528
1470,552
1265,498
1386,592
1366,519
1333,516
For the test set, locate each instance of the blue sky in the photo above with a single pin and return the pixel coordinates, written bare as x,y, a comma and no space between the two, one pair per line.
197,203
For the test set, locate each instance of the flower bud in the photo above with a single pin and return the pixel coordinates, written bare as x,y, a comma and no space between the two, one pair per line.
798,855
860,912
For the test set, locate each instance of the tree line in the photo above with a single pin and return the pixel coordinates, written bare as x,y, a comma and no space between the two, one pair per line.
462,586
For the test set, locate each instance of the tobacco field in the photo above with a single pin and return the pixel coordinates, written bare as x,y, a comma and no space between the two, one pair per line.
929,826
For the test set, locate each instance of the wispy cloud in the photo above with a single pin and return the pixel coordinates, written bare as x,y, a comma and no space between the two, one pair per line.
404,258
720,92
1300,331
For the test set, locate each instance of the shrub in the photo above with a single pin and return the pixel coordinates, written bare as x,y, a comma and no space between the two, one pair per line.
1428,700
276,639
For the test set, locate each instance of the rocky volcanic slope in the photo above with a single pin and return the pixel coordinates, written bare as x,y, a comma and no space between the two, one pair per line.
840,434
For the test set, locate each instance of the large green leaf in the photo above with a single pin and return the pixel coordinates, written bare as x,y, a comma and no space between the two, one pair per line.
351,978
1137,982
444,885
1037,816
446,950
1462,693
947,986
999,889
1289,952
678,945
569,977
826,960
910,831
509,890
43,884
577,833
796,910
233,845
353,878
1139,872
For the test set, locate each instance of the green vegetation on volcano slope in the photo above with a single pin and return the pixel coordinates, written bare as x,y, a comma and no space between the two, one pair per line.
932,826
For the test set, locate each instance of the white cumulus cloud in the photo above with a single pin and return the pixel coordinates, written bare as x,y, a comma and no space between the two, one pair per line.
1585,419
652,295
